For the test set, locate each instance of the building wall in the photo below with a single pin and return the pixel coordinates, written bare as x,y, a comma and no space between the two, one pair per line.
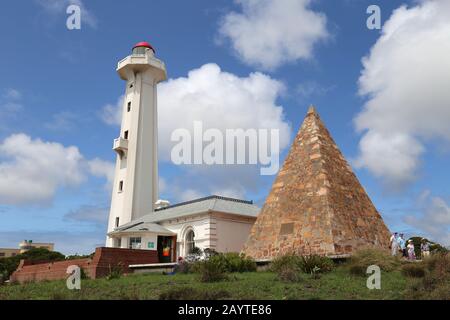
231,232
25,246
6,253
99,266
221,232
200,224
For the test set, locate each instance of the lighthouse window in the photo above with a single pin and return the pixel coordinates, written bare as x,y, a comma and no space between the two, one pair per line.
129,106
125,135
131,85
117,222
139,50
120,186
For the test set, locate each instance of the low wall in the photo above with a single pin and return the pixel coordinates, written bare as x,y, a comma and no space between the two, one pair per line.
101,264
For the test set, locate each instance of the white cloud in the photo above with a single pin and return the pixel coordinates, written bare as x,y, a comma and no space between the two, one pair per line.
112,113
59,7
434,220
12,93
10,104
405,78
62,121
32,170
269,33
220,100
101,168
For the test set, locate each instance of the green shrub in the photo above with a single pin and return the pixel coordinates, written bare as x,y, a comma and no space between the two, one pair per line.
234,262
289,274
314,264
115,272
367,257
228,262
307,264
83,274
211,270
436,282
187,293
414,270
290,261
289,267
439,263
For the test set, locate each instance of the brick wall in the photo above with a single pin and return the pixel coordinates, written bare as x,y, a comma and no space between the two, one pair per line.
103,261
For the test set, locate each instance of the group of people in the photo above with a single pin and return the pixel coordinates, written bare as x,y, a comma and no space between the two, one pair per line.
399,245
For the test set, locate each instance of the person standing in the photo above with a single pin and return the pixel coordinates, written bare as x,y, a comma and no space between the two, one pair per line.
402,244
394,244
411,253
425,248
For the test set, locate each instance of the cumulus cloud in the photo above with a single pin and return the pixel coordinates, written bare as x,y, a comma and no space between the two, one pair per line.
112,113
31,170
101,168
434,218
405,78
269,33
220,100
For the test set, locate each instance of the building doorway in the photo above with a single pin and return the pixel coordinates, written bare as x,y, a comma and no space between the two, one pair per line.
165,249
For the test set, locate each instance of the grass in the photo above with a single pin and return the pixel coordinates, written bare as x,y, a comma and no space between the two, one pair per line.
337,284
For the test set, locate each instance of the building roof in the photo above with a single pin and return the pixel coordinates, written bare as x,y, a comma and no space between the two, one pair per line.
143,227
144,44
212,203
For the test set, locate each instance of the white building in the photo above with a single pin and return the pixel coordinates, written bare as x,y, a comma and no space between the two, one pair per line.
137,219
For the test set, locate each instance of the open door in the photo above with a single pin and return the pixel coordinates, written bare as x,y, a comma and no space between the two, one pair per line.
165,249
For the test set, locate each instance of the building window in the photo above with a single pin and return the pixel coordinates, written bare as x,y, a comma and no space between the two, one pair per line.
129,107
135,243
2,254
190,243
117,222
125,135
121,186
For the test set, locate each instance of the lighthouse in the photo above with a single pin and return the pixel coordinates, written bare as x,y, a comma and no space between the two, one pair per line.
135,189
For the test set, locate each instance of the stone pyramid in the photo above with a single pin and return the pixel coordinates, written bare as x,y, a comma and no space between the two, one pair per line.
316,204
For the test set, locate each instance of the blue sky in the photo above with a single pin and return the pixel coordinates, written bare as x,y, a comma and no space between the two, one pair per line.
59,94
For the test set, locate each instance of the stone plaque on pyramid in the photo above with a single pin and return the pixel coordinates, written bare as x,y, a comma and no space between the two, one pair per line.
316,204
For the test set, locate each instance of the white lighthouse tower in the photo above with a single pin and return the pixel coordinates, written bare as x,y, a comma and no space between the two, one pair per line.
135,188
